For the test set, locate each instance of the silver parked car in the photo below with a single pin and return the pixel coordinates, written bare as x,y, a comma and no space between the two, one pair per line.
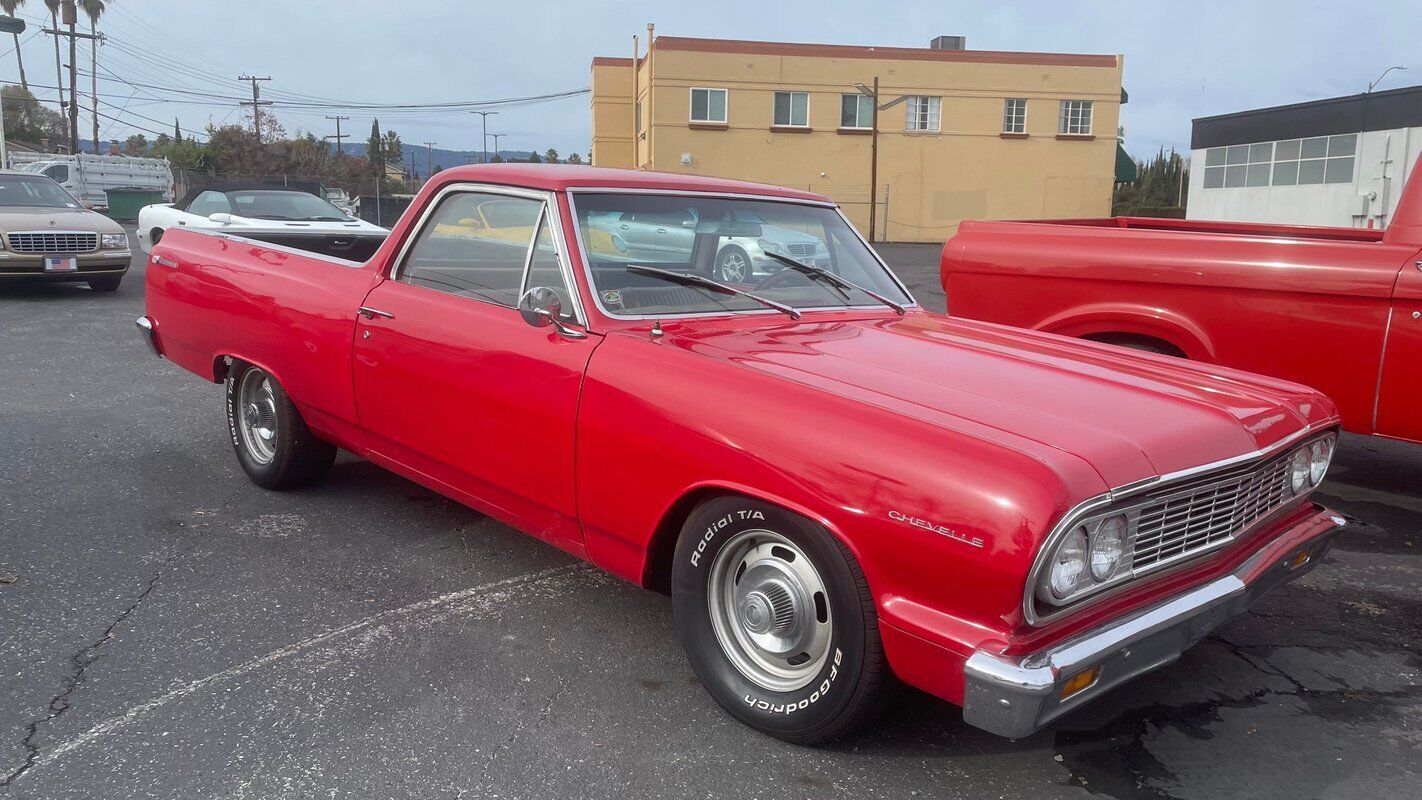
668,236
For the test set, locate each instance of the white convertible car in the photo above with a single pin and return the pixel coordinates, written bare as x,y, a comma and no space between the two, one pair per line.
266,213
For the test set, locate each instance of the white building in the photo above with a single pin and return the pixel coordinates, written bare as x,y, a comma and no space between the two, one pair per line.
1338,162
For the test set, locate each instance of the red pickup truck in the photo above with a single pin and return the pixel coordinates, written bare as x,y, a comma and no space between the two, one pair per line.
837,488
1338,309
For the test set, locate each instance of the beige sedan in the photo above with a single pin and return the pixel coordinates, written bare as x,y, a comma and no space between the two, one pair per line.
47,235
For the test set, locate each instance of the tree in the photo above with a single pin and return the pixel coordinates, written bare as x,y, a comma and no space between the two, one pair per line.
375,147
551,156
136,145
497,159
177,131
10,7
93,9
394,150
1159,189
574,158
27,121
533,158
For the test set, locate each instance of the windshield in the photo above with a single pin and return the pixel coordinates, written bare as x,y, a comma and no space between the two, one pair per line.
729,241
284,205
27,191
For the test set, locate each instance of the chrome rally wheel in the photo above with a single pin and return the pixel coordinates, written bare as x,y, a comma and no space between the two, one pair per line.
777,620
257,422
269,436
769,610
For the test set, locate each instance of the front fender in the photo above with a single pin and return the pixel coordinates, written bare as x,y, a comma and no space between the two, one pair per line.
1160,323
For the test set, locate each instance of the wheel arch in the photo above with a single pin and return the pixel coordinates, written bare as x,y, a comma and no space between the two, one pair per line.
661,548
1105,319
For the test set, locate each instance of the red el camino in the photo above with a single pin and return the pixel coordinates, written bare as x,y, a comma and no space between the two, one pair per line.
838,489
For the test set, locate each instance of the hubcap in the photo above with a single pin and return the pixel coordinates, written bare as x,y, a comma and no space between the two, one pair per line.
769,610
257,426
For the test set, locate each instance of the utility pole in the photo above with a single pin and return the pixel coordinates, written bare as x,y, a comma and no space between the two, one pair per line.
15,26
429,158
484,154
69,16
496,142
256,103
339,136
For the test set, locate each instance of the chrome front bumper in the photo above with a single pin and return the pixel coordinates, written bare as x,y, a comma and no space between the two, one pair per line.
1017,697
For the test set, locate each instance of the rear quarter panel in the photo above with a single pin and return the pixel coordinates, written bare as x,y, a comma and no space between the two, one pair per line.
290,313
1308,310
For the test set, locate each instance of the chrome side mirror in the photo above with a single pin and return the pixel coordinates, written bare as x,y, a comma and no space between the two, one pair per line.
540,307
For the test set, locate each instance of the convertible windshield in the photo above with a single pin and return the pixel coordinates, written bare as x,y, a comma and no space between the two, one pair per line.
284,205
730,241
26,191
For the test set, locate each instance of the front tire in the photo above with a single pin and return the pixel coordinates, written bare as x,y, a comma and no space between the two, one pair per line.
733,265
778,622
272,442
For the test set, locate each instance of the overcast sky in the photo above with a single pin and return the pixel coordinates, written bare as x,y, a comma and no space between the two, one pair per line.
1183,59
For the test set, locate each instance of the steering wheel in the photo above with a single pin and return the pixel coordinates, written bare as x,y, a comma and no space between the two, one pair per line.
777,278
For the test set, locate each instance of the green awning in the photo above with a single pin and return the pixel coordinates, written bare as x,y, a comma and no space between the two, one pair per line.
1125,166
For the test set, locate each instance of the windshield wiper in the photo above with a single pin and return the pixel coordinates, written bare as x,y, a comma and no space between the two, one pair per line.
842,283
697,280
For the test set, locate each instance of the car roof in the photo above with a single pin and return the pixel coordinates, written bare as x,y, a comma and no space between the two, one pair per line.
557,177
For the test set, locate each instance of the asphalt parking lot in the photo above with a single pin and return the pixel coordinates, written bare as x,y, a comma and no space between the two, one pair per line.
167,629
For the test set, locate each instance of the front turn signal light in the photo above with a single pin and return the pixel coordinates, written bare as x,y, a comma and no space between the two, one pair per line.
1080,682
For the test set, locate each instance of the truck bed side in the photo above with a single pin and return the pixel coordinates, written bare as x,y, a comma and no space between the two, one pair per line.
289,312
1310,310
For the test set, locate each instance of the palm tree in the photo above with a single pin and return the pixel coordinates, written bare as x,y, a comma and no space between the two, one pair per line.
53,6
10,7
94,9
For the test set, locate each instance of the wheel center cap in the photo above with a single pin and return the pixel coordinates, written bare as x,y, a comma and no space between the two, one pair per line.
768,610
252,414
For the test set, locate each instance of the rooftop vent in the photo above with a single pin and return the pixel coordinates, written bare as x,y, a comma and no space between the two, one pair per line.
949,43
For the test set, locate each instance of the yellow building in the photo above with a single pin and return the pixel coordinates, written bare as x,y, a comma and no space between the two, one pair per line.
962,134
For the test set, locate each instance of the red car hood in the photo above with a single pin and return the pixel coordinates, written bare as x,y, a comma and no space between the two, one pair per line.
1130,417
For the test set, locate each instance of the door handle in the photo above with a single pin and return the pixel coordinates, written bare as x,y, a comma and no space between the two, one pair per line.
661,230
372,313
625,227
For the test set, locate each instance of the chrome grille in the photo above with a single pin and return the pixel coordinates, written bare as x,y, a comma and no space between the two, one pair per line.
52,242
801,248
1186,519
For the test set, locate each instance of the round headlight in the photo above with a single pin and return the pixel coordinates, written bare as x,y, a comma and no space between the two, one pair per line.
1108,544
1320,455
1068,565
1299,469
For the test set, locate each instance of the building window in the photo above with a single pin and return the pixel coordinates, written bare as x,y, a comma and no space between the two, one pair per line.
923,113
1014,115
708,105
792,108
1291,162
1075,118
856,111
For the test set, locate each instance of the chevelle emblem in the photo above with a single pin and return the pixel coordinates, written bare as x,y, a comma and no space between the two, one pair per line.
919,522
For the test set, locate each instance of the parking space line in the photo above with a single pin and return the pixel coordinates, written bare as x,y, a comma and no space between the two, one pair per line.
488,592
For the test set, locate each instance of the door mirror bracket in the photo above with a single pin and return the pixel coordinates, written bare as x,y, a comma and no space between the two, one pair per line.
540,307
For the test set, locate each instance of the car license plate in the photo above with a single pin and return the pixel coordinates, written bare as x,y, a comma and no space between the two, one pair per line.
53,264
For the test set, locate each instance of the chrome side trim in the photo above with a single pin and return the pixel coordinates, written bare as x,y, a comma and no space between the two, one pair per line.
1382,363
572,191
1125,492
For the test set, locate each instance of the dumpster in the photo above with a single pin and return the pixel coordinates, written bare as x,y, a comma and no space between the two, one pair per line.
125,203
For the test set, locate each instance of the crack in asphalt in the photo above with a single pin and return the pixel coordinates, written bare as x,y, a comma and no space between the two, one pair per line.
81,660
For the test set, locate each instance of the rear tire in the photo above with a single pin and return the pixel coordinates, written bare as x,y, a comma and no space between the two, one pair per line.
109,284
778,622
272,442
1134,341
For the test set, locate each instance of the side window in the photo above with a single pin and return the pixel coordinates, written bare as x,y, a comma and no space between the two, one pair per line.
546,270
474,245
209,203
59,172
